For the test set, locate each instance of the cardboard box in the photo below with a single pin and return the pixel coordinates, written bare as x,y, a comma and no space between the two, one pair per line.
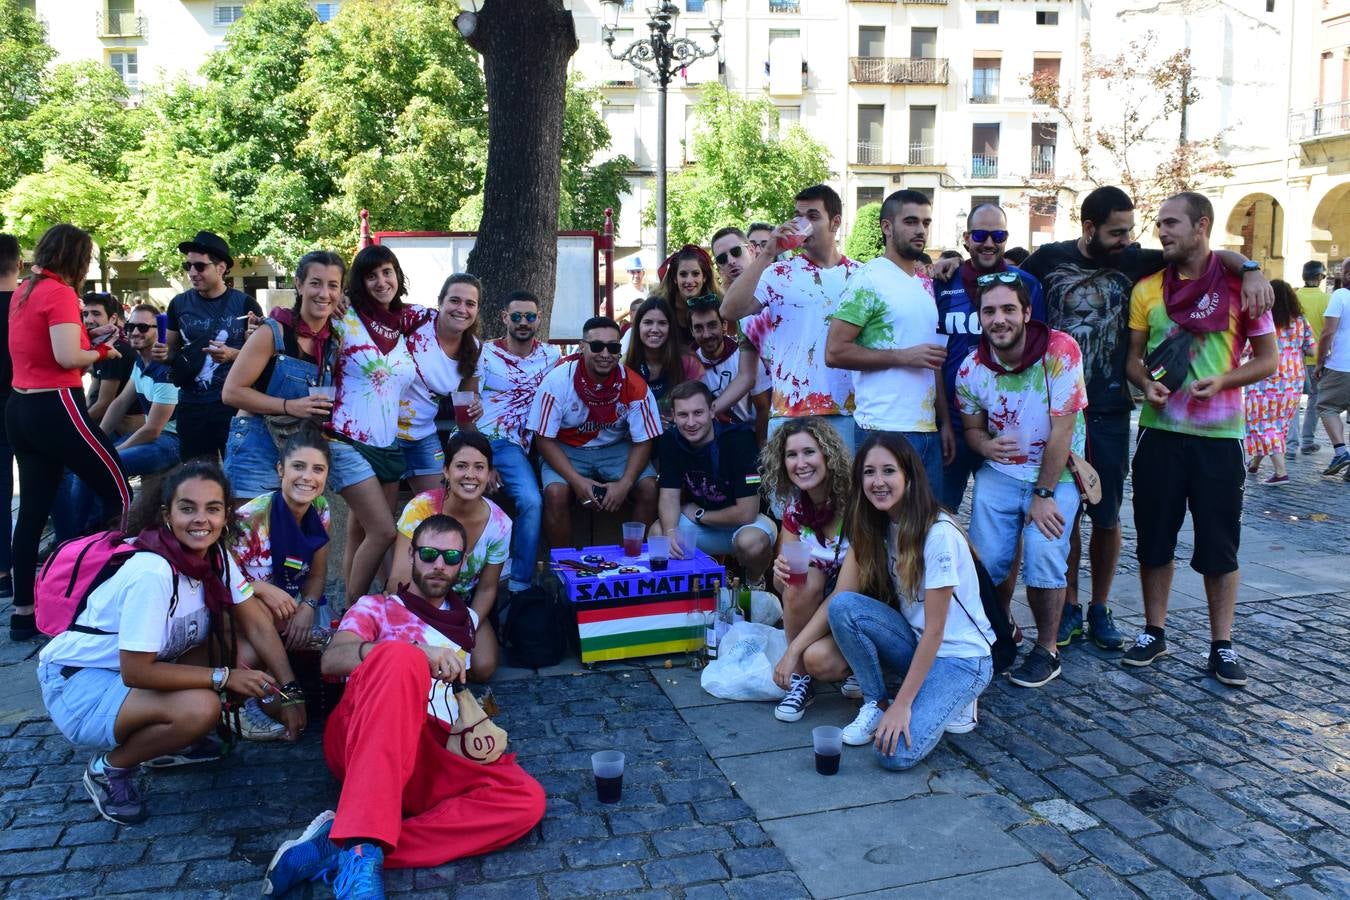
623,616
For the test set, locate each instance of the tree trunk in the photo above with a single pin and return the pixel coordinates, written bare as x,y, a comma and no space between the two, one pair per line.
525,45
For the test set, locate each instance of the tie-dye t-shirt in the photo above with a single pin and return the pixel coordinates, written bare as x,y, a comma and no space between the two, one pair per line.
893,309
796,299
1023,402
369,384
253,541
492,546
1215,353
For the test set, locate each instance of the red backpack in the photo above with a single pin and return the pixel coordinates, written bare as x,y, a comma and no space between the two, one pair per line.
73,572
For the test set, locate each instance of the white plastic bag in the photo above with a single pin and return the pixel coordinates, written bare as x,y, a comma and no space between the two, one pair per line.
743,669
765,608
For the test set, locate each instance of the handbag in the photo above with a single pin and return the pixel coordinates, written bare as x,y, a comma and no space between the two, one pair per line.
1084,475
474,735
1170,361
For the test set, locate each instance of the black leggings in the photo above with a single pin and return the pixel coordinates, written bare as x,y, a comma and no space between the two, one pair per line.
50,432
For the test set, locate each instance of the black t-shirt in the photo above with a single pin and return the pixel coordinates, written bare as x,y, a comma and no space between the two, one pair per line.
117,370
6,364
1090,300
715,475
199,321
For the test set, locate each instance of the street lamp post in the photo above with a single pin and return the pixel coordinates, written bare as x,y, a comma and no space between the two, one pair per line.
661,56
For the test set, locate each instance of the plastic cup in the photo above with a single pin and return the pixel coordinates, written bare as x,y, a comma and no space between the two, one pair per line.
658,551
793,241
607,765
798,557
829,746
326,391
1014,433
688,537
462,400
632,539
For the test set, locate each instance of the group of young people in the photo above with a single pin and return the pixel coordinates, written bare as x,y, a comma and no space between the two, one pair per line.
759,397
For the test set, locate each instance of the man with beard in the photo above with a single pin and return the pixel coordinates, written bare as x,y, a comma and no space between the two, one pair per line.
406,801
1021,396
710,483
1087,285
885,331
510,370
1189,452
102,318
959,319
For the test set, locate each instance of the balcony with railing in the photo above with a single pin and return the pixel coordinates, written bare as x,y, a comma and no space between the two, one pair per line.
922,154
897,70
1042,161
1319,123
785,6
868,153
983,165
119,23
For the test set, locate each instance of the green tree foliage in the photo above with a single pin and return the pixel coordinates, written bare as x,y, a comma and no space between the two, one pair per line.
588,190
742,174
67,192
24,54
864,241
83,118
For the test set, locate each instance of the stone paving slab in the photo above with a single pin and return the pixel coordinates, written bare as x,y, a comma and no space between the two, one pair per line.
741,729
1027,880
785,783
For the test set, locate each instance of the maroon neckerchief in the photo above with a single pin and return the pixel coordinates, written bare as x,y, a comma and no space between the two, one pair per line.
384,325
805,513
1200,305
601,397
970,279
210,570
455,623
289,319
729,346
1037,339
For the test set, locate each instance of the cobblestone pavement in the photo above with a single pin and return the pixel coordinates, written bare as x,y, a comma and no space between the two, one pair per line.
1155,783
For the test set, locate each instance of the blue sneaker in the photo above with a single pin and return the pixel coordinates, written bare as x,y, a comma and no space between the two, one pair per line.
1338,462
360,873
1102,628
305,858
1070,624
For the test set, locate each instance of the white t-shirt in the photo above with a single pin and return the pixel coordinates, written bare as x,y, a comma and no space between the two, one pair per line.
437,376
1338,357
508,384
558,411
947,562
133,607
893,309
796,299
369,384
717,376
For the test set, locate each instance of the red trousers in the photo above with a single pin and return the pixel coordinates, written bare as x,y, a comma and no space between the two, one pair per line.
401,787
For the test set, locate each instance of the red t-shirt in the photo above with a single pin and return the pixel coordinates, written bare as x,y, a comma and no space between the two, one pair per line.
52,302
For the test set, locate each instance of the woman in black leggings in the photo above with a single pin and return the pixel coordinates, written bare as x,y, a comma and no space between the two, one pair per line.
46,419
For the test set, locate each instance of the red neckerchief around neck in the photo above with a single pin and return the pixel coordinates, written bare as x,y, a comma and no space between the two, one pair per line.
1200,305
601,397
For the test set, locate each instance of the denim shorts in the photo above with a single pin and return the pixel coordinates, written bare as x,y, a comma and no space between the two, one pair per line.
716,540
85,705
998,512
424,456
603,464
251,461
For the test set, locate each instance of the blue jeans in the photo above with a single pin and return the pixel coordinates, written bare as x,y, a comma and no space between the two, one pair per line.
522,486
148,459
928,444
956,476
83,512
998,515
1307,436
871,634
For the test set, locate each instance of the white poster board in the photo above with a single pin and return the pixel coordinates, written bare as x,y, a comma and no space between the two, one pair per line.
428,259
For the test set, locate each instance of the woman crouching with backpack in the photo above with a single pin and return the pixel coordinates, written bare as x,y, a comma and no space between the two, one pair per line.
908,599
139,671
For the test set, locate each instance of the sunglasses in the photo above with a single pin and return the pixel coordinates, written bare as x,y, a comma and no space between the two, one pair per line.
980,235
1000,277
195,266
614,347
704,301
528,317
730,253
139,327
429,555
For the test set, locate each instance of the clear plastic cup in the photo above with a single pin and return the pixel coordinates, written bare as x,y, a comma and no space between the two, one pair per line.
828,742
658,552
607,766
688,537
632,539
326,391
462,400
798,555
793,241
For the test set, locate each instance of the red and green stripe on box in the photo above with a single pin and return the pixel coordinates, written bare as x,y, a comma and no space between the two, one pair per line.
623,629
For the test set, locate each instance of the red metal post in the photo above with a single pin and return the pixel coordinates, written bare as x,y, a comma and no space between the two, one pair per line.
607,241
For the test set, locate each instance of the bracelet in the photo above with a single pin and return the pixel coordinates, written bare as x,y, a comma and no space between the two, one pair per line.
101,351
283,407
226,680
361,651
311,602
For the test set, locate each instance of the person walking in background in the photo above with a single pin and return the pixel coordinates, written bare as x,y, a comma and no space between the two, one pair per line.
1313,301
1273,401
46,418
1333,375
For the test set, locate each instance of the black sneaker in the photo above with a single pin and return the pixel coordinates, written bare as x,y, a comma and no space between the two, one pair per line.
1224,665
1146,649
22,628
114,793
1038,668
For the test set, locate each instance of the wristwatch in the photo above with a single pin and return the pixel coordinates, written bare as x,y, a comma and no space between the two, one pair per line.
1251,265
218,677
311,602
698,514
1043,493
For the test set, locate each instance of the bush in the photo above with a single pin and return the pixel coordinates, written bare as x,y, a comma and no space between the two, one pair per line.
865,240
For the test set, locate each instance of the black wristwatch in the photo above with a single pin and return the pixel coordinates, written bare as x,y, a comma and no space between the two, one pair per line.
1043,493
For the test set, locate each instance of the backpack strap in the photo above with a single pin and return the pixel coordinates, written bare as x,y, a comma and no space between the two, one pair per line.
955,595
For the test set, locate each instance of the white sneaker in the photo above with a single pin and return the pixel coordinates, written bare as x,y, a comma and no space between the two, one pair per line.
850,688
964,720
861,730
799,697
256,725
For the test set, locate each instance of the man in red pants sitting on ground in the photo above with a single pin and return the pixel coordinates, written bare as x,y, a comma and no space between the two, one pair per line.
406,801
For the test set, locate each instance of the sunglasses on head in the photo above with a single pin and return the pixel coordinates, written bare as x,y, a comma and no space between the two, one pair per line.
142,327
704,301
980,235
528,317
730,253
195,266
429,554
1000,277
614,347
